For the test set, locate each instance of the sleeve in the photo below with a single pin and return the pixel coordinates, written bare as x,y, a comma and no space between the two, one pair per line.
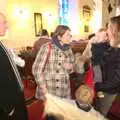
39,64
97,53
18,60
86,55
71,56
72,60
113,85
79,66
109,86
81,60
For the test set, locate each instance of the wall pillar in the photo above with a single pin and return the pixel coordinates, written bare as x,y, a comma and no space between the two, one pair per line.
73,18
97,15
3,6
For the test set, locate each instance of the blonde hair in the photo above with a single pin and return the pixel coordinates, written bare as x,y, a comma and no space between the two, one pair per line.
115,25
84,94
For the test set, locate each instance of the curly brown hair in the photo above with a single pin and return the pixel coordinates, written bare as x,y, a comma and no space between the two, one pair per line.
115,25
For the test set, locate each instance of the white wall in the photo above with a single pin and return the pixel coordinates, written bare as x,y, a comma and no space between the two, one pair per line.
105,14
82,3
21,28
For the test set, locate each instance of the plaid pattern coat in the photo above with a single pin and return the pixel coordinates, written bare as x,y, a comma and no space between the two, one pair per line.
55,76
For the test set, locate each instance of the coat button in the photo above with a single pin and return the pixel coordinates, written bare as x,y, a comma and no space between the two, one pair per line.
59,63
57,71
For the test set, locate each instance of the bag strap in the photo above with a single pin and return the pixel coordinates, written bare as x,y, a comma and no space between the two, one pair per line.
47,57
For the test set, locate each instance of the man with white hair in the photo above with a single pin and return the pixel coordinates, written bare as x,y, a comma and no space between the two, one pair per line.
11,89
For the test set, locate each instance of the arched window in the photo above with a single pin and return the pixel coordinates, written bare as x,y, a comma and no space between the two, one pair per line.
63,11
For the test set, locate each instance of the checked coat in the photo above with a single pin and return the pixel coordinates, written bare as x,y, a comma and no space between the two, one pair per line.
55,76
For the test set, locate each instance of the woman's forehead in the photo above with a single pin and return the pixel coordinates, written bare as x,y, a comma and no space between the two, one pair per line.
67,31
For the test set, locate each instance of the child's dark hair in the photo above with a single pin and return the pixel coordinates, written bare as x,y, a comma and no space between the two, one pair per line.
44,32
54,117
91,35
50,117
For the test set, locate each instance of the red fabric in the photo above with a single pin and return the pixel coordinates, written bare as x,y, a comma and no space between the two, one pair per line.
88,79
29,89
35,110
73,88
115,109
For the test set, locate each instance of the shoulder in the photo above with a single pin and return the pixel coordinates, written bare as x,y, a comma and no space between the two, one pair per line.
1,44
42,41
44,47
3,48
46,44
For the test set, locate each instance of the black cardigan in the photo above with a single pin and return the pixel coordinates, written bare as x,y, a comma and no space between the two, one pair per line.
110,64
11,92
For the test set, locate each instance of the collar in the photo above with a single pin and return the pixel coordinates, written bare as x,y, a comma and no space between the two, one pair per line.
59,45
86,108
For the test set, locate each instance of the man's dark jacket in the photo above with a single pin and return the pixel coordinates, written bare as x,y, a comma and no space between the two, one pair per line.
12,105
109,60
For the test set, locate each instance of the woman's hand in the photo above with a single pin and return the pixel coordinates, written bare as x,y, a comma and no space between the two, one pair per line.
43,89
68,66
42,92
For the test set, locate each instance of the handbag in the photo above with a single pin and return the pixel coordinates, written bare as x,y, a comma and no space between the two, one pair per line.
47,57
